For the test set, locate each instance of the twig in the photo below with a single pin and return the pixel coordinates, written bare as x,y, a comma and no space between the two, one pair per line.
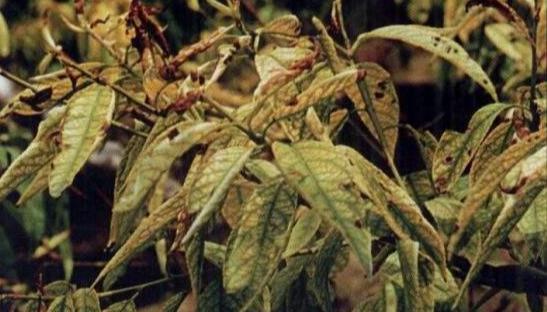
253,136
70,63
104,294
125,127
18,80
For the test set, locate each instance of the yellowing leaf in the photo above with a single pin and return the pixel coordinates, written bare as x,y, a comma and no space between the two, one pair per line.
384,101
235,158
488,182
321,176
86,300
506,38
418,10
397,208
255,246
319,91
493,145
39,153
213,172
38,184
88,116
408,258
4,37
304,230
432,41
541,43
456,150
155,160
509,216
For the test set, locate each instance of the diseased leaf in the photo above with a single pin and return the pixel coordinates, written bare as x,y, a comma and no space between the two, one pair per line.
384,101
235,158
329,46
394,204
319,91
418,10
541,44
304,230
131,153
88,116
493,145
86,300
534,220
385,301
40,152
194,261
320,175
509,216
212,174
488,182
148,168
172,304
62,304
260,238
506,38
214,253
431,40
456,150
408,258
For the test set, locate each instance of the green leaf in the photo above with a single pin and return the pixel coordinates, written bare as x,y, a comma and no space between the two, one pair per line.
488,182
304,230
153,162
456,150
122,306
173,303
260,238
395,205
215,253
86,300
58,288
130,155
534,220
432,41
321,176
510,215
235,159
4,37
283,279
194,260
40,152
88,116
418,10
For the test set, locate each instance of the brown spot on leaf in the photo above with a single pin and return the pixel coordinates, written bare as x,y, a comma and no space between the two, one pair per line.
173,133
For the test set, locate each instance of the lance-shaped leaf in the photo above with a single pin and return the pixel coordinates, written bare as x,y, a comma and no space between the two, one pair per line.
38,184
86,300
408,257
304,230
321,176
431,40
235,158
385,103
213,173
510,215
506,38
88,116
122,306
145,231
456,150
149,167
40,152
62,304
260,237
534,220
319,91
396,206
494,144
4,37
329,47
488,182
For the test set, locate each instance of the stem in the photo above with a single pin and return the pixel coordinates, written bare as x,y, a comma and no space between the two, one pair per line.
533,79
253,136
70,63
18,80
125,127
104,294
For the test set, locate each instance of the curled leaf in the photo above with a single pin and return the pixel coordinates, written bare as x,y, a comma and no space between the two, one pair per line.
432,41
